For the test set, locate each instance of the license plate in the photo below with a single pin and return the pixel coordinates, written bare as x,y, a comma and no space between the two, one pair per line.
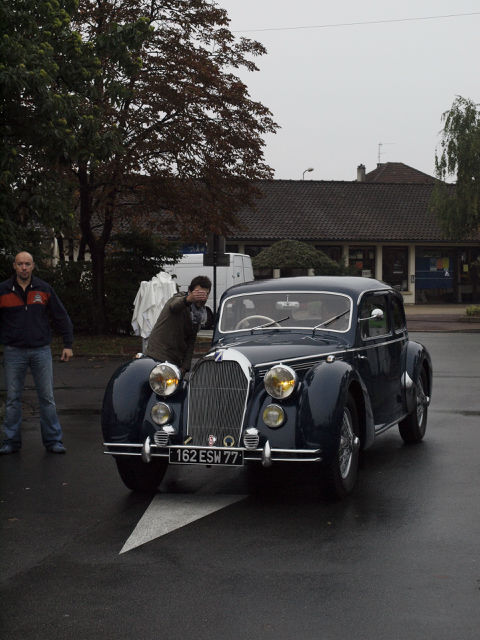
186,455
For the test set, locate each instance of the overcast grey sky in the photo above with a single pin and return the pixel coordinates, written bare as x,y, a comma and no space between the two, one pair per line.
337,92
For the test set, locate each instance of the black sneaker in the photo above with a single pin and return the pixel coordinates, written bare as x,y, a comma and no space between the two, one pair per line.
7,448
57,448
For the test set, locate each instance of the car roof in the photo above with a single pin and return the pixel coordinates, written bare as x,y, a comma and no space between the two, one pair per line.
349,285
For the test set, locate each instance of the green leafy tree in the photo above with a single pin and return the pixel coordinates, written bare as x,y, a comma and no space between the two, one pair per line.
114,110
458,208
166,125
41,61
292,254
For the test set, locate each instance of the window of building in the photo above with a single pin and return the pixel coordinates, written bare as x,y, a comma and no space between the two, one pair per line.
263,274
334,253
469,280
395,267
292,272
434,274
254,249
362,261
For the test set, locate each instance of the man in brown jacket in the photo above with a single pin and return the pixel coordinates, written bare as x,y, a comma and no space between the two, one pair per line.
173,336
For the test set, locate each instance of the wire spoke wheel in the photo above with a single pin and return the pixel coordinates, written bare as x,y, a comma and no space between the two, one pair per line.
340,475
412,428
346,449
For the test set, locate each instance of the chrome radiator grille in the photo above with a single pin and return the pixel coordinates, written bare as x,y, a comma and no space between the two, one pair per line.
216,403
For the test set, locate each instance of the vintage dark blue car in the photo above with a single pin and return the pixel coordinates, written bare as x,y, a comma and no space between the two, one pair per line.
305,370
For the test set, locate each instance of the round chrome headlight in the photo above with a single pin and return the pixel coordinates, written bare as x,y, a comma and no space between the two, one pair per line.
161,413
280,381
273,416
165,378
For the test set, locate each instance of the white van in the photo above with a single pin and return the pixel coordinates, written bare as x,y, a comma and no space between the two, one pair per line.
191,265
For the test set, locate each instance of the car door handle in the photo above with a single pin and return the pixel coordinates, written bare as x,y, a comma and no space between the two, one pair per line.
362,357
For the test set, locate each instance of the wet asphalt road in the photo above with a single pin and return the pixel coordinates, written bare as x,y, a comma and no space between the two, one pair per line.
399,559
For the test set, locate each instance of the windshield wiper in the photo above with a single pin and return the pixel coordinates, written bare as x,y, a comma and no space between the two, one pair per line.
270,324
330,320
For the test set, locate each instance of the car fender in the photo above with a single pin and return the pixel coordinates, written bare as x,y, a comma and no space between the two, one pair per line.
323,396
125,400
417,357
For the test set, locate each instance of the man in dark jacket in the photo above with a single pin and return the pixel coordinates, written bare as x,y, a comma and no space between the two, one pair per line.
26,302
173,336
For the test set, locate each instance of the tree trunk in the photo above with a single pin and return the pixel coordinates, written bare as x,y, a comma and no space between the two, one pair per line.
98,273
105,202
96,249
61,248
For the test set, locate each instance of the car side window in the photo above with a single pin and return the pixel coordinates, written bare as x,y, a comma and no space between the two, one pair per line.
373,327
398,315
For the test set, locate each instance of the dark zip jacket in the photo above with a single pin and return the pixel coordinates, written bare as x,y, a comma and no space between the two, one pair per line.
173,336
25,315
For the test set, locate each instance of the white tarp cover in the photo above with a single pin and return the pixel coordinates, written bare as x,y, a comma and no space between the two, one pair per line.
149,301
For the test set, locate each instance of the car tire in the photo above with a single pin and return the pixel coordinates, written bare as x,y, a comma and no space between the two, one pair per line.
339,476
412,428
141,476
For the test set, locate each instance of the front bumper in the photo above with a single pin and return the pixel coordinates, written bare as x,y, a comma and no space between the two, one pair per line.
264,455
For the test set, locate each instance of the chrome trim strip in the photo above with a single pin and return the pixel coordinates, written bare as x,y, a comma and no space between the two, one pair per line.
229,353
322,356
384,427
284,459
120,453
123,444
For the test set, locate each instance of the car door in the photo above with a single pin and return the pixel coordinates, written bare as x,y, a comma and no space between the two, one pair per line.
379,358
398,350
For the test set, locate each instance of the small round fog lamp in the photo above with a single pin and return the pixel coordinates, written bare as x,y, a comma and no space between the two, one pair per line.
160,413
273,416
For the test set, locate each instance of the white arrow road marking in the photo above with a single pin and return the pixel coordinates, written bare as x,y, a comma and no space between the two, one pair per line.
168,512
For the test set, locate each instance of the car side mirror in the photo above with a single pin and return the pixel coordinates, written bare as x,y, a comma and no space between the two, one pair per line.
377,314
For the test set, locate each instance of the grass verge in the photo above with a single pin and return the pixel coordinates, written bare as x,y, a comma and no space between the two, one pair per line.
101,345
111,345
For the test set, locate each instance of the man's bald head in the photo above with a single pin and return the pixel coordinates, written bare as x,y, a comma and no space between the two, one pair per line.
23,266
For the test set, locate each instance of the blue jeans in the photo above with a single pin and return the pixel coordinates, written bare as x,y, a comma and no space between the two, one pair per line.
16,362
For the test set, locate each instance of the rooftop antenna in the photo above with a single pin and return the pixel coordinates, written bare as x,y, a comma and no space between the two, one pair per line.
380,145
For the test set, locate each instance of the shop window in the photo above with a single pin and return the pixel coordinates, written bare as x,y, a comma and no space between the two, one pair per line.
362,261
254,249
434,274
292,272
395,267
334,253
264,273
470,274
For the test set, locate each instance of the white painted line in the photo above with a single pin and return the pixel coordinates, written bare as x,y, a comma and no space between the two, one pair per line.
171,511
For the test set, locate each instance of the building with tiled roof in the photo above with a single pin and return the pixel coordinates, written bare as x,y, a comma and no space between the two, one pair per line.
394,172
347,211
380,225
380,229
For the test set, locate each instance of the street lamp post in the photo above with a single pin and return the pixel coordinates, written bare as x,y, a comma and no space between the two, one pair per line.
306,170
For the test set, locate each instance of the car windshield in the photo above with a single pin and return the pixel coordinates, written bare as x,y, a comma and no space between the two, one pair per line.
286,310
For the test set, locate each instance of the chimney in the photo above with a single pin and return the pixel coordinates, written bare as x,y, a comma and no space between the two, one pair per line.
361,173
